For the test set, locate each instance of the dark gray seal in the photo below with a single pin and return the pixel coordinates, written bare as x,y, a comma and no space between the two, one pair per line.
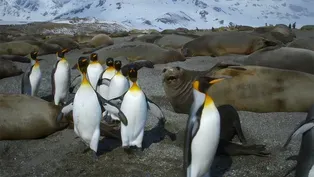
305,158
224,43
304,43
16,58
9,69
289,58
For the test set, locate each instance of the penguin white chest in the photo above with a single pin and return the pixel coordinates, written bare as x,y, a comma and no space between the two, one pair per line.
61,81
87,113
93,71
103,89
134,107
35,79
118,85
205,142
311,173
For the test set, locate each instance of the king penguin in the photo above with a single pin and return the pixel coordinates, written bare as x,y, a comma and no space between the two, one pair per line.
94,70
88,106
135,105
61,78
202,131
119,84
108,73
32,77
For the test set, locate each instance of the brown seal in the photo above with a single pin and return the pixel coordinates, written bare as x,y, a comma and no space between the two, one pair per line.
27,117
251,88
139,51
289,58
304,43
9,69
224,43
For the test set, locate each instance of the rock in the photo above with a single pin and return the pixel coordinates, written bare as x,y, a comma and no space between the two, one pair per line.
101,40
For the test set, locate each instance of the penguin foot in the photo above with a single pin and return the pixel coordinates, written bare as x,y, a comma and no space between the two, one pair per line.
127,150
95,157
258,150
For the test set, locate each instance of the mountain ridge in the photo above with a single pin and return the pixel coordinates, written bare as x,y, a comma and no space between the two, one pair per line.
162,14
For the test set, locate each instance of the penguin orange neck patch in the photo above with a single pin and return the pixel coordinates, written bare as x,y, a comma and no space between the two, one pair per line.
110,68
85,80
135,87
94,62
36,65
208,101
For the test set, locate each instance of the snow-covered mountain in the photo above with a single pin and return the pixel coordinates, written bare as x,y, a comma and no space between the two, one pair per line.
161,14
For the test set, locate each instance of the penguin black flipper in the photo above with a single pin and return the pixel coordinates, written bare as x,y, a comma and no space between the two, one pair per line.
71,88
155,109
118,100
138,65
53,78
303,127
110,107
104,81
26,87
192,127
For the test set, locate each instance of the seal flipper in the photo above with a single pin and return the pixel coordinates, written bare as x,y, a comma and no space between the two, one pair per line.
303,127
228,112
233,149
192,127
290,170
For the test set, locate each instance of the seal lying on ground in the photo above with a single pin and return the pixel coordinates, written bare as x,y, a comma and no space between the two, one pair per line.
16,58
305,158
27,117
289,58
9,69
223,43
139,51
304,43
251,88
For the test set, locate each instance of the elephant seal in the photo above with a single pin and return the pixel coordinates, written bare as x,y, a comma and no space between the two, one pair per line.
9,69
101,40
27,117
304,43
139,51
305,158
17,58
280,32
251,88
149,38
17,48
173,41
289,58
223,43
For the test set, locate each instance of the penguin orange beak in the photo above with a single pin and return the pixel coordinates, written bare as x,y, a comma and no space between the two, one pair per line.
216,81
65,50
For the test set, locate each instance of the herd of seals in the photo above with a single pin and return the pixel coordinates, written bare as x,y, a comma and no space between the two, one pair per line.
267,78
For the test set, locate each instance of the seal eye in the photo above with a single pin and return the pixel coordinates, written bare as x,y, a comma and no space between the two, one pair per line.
178,68
164,70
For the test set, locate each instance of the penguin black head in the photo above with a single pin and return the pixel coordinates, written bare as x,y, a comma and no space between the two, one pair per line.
34,55
132,73
109,61
117,65
82,63
61,53
94,57
202,84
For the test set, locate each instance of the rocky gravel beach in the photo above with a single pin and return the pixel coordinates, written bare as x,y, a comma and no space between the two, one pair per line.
61,154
